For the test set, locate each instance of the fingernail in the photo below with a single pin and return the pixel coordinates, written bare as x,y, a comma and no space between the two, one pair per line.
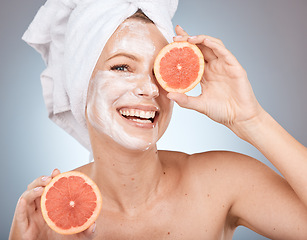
54,171
178,36
37,189
94,227
180,27
193,37
44,178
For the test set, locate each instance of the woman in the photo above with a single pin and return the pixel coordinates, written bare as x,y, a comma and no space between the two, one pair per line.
171,195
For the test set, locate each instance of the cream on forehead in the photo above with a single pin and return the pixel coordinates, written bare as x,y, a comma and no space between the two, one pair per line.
133,35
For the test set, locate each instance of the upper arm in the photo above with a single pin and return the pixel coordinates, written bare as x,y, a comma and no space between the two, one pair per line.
265,202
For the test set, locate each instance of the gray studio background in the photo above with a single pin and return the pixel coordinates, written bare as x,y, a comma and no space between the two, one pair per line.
268,37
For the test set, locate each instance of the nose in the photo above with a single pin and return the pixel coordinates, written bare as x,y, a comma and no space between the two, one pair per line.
147,87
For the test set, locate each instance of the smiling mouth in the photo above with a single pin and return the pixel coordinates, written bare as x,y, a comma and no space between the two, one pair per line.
137,115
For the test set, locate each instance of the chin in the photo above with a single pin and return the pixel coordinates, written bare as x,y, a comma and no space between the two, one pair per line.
134,143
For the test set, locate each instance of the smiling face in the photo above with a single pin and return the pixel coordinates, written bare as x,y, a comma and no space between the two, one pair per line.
125,102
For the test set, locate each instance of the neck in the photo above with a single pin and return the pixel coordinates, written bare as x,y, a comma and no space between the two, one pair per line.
128,179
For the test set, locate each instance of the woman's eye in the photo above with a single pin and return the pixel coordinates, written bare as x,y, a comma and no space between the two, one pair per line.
121,68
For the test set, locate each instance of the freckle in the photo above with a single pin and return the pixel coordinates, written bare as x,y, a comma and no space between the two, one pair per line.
206,230
132,179
124,185
223,206
215,169
274,229
163,172
208,195
186,194
168,233
113,164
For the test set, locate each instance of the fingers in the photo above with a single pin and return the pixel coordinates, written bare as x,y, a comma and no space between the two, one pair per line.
29,203
31,197
199,39
55,172
27,206
21,215
211,47
43,180
180,32
39,182
208,53
216,48
185,101
35,190
31,194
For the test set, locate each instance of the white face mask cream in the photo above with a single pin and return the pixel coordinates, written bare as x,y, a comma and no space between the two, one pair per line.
106,91
122,101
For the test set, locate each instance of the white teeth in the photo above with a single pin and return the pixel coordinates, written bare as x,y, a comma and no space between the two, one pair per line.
138,113
141,121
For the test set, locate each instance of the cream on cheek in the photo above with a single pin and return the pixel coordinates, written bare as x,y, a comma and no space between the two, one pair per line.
111,89
134,37
107,90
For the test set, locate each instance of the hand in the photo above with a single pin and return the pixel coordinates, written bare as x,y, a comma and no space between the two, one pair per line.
29,224
226,94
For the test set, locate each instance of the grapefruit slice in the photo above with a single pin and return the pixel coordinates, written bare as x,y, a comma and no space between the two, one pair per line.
179,67
71,203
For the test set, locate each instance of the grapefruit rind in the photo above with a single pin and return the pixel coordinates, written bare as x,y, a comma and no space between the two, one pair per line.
89,222
167,49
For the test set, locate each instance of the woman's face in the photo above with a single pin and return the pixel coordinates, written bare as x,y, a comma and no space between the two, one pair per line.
125,101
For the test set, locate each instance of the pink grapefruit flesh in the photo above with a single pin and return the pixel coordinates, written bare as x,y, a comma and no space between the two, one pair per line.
179,67
71,203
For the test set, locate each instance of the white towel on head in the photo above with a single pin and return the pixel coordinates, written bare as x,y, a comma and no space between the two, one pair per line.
70,35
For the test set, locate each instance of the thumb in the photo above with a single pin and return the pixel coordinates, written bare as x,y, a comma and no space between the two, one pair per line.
185,101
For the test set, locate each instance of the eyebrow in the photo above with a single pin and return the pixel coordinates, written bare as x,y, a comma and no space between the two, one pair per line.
122,54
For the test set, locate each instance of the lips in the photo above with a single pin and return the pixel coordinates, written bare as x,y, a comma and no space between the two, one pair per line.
141,116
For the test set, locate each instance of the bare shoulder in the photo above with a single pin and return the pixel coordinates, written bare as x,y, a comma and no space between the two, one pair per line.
253,192
217,180
224,173
86,169
235,171
226,163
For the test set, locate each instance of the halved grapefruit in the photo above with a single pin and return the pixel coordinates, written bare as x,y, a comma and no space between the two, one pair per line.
179,67
71,203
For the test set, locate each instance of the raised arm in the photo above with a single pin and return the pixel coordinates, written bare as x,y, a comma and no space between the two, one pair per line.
227,98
